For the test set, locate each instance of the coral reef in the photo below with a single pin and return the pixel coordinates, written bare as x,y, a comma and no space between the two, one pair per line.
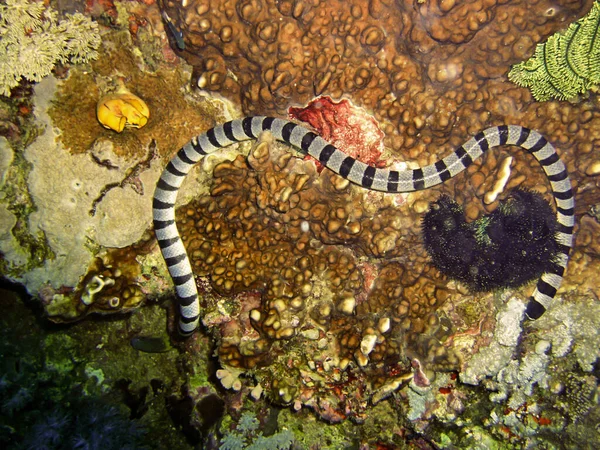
86,426
33,41
62,387
445,73
64,232
246,435
307,264
415,67
319,300
567,64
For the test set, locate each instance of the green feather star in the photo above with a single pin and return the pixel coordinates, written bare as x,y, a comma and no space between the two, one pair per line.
567,64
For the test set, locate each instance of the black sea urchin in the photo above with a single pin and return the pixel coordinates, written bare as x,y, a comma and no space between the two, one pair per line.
514,244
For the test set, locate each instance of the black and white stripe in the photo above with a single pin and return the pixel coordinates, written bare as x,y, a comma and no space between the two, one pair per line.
384,180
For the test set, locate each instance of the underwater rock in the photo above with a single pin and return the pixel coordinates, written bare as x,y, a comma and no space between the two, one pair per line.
76,198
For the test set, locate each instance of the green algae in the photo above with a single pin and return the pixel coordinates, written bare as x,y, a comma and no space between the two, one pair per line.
34,247
151,344
15,195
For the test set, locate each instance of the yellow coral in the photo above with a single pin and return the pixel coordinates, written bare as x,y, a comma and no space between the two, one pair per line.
122,108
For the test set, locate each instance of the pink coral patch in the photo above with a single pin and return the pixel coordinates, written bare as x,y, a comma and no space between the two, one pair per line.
346,126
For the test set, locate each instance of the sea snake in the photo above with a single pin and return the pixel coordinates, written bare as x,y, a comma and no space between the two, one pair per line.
369,177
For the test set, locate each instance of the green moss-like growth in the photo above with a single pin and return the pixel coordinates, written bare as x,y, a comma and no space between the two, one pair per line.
247,436
567,64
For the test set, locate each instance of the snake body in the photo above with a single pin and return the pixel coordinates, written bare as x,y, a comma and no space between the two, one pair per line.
369,177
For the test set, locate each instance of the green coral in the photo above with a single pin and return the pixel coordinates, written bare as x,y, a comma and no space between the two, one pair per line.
33,41
246,436
567,64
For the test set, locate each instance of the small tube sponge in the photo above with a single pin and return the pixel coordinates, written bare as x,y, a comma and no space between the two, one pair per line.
513,245
122,109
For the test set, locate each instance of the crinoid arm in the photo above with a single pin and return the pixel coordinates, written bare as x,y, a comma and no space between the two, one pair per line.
567,64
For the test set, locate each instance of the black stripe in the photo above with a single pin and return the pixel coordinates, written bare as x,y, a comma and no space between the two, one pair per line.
228,130
182,279
173,170
247,127
567,229
463,157
197,147
392,184
187,301
162,184
212,138
307,139
267,123
549,160
558,270
159,204
164,243
175,259
566,211
523,136
482,141
442,170
565,249
567,195
368,176
182,156
188,320
546,288
286,131
562,175
185,334
418,181
534,309
503,134
162,224
538,145
346,166
326,153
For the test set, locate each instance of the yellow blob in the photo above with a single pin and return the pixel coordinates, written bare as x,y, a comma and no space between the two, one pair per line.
122,109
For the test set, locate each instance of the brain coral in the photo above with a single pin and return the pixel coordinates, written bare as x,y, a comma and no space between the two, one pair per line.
321,285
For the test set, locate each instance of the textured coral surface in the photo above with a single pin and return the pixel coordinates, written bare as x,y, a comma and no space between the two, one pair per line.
431,73
328,273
